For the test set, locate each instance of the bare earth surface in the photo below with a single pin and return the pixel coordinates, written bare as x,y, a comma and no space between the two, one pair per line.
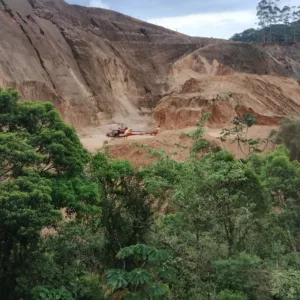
99,67
172,142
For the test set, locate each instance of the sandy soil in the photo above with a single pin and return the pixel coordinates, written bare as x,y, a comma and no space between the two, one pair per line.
172,142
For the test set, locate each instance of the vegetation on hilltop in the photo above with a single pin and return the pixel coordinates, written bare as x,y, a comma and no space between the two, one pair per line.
212,227
277,22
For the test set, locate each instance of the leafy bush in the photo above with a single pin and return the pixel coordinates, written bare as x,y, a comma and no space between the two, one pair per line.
44,293
229,295
142,281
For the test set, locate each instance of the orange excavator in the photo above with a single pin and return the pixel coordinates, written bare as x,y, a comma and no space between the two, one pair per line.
125,132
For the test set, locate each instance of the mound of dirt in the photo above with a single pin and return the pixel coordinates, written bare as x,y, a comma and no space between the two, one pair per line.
270,98
191,86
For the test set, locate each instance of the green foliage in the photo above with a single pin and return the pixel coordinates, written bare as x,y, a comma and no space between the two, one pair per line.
141,281
285,284
8,101
278,23
44,293
41,170
237,134
289,135
200,143
108,172
25,208
127,207
221,192
229,295
218,203
38,127
280,33
144,253
68,190
71,258
16,153
117,279
281,177
242,273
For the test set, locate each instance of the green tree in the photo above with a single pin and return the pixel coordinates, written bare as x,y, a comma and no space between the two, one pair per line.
218,202
38,124
245,274
285,284
220,190
263,15
237,133
16,154
70,262
199,143
229,295
144,279
41,170
286,19
25,208
295,18
289,135
281,177
127,207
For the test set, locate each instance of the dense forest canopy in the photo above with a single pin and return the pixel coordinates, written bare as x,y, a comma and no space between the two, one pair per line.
211,227
276,22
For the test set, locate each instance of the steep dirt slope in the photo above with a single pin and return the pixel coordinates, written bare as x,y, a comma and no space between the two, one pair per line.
270,98
232,79
94,64
287,54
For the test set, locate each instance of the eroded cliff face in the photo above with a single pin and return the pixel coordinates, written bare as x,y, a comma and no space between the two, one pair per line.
94,64
97,65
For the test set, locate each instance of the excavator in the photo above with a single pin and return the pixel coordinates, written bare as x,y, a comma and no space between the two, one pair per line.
124,132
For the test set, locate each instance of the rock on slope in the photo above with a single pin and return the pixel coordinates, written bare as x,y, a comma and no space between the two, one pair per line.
94,64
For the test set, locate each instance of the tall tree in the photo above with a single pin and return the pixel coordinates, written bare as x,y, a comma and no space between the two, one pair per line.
263,16
285,18
295,18
41,170
275,13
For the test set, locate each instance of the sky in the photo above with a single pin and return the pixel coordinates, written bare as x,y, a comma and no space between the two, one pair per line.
203,18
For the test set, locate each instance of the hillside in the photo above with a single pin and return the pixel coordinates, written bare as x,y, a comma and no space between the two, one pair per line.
198,198
94,64
98,66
